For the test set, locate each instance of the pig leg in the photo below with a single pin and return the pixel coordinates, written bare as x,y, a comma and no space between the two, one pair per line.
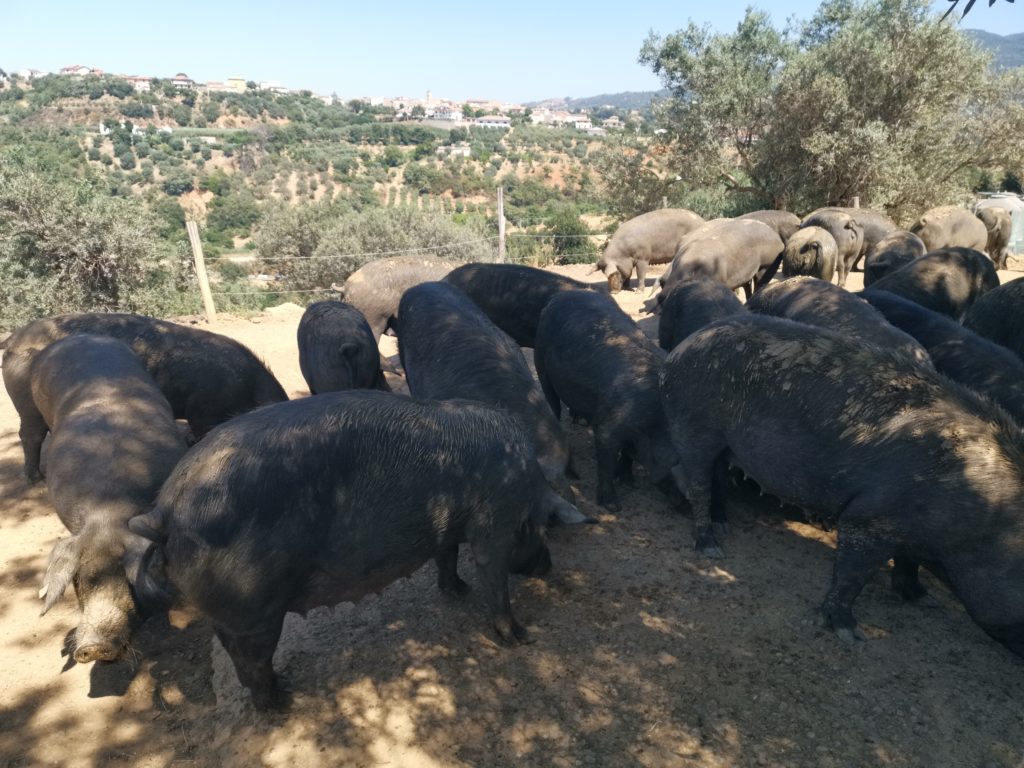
905,579
641,275
606,450
252,655
447,571
843,269
695,478
624,469
492,571
32,433
859,555
550,395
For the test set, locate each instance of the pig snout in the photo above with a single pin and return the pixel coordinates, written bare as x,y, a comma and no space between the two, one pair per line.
104,632
95,648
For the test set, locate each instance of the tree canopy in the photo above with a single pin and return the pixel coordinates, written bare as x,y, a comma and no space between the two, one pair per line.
877,99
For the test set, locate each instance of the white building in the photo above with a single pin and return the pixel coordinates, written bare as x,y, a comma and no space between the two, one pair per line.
140,84
493,121
449,114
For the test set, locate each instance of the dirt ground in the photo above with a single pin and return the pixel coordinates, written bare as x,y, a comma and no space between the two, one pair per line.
645,655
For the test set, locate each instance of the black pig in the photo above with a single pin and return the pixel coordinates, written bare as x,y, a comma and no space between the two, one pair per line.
337,350
690,306
114,441
329,498
593,357
947,281
206,377
450,350
906,463
957,352
511,295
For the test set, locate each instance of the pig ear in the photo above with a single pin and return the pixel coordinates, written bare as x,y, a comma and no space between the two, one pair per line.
144,567
349,351
60,570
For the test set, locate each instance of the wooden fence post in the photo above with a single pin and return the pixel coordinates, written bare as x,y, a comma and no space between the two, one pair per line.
501,224
204,280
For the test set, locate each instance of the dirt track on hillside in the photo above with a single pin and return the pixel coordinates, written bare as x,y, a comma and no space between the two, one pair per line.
645,655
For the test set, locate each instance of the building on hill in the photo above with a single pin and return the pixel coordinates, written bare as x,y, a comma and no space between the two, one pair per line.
493,121
140,83
30,74
449,114
79,70
181,80
484,105
612,122
462,149
273,86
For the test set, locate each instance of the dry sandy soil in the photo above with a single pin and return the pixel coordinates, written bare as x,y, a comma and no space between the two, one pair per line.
645,655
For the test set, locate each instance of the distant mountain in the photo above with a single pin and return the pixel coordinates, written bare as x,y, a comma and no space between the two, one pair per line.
627,100
1007,50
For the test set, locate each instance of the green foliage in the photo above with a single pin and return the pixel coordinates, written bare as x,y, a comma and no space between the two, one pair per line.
876,99
392,157
211,111
343,244
635,181
119,89
65,245
570,239
170,217
178,182
217,182
234,214
182,115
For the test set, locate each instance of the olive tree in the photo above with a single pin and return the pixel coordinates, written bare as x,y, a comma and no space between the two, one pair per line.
65,245
634,179
337,246
878,99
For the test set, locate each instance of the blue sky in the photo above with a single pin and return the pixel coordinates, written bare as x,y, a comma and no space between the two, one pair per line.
523,50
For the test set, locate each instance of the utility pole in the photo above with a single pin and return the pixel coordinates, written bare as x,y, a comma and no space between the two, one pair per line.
501,224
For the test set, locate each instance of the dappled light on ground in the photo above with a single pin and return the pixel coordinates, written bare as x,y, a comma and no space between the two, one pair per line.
645,655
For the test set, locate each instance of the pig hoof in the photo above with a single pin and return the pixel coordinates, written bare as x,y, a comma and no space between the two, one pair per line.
277,699
850,635
512,632
522,636
33,476
456,588
713,551
909,589
708,546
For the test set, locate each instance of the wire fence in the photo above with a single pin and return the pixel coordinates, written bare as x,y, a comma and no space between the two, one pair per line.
256,292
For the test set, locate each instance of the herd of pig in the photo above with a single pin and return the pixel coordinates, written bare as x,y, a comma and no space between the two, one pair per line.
893,415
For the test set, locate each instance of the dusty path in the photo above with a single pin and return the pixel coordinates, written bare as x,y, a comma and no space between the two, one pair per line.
646,655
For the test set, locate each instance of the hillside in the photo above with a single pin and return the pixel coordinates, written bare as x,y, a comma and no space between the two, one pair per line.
1007,50
625,101
283,181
